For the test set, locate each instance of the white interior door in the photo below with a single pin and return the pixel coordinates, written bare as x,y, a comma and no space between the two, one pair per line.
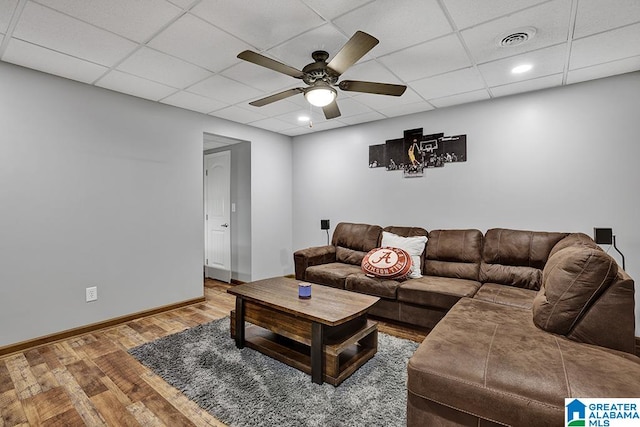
218,215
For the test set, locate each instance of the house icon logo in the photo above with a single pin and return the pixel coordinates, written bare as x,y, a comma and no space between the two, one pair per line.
576,413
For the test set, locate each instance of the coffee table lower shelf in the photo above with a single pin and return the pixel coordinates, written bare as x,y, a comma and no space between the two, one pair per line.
341,358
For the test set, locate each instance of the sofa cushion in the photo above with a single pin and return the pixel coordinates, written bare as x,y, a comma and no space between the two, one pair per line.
433,291
353,241
387,263
572,280
574,239
491,361
507,295
332,274
349,256
516,257
380,287
414,246
610,321
454,253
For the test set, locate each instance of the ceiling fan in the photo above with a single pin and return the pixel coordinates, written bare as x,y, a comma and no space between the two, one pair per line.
322,77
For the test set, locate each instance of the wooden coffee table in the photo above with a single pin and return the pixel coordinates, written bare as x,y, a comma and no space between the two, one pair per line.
327,336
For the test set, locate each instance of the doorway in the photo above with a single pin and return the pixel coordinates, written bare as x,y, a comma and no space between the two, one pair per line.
217,215
238,224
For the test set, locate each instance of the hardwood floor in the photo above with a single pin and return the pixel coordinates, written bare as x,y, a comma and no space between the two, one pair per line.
91,380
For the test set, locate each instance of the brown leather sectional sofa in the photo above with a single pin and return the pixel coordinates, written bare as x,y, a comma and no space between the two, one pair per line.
521,320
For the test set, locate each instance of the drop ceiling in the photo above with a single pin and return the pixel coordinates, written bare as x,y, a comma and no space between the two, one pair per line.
447,52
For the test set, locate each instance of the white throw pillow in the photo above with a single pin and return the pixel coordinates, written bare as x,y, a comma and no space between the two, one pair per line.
413,245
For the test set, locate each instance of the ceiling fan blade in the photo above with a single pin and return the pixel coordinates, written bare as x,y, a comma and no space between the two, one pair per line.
272,64
331,111
372,87
276,97
357,47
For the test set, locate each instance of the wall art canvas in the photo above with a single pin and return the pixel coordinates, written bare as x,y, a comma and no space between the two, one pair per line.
416,152
394,154
377,156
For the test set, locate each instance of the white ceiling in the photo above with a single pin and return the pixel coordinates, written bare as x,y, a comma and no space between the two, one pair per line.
183,52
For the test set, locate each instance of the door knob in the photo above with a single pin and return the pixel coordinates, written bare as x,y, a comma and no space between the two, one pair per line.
225,225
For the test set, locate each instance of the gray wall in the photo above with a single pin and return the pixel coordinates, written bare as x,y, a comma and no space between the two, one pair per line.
103,189
241,218
563,159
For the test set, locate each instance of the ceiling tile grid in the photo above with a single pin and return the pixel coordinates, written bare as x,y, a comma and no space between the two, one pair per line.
184,52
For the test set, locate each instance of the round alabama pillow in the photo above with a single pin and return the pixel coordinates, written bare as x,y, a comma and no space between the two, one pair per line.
387,263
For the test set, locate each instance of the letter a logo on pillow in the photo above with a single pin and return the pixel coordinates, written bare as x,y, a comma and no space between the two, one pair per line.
387,263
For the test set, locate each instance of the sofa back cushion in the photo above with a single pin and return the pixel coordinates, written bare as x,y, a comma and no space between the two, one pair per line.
574,239
610,321
454,253
353,241
573,279
516,257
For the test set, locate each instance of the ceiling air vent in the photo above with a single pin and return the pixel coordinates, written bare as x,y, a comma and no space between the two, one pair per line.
516,37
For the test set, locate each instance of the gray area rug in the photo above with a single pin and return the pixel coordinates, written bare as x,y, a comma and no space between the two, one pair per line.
246,388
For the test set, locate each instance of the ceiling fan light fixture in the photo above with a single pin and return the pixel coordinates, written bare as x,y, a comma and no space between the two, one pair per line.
320,95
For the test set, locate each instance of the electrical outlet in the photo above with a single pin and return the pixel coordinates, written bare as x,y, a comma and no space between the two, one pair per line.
92,293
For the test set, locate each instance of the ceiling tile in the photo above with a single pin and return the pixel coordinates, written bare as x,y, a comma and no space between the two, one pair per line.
428,59
275,108
162,68
330,9
462,98
200,43
544,61
371,71
351,107
594,16
402,110
193,102
415,22
224,89
452,83
378,102
271,124
238,114
466,13
297,51
49,61
528,85
549,19
182,3
613,68
326,125
48,28
7,8
362,118
136,20
292,117
295,131
610,46
264,23
260,77
133,85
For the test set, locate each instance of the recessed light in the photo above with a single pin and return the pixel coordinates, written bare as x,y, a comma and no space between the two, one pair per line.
303,118
521,68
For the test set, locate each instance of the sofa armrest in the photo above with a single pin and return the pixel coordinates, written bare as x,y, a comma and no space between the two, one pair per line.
308,257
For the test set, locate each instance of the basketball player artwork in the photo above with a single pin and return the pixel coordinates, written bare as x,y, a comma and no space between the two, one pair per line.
416,152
